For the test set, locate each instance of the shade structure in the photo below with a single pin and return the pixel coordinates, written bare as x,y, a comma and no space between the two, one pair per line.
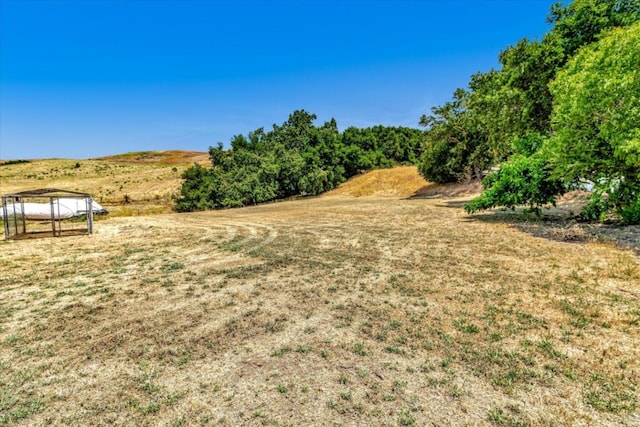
23,213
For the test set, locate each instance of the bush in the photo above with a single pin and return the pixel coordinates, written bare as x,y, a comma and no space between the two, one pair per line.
625,198
520,181
437,163
14,162
597,208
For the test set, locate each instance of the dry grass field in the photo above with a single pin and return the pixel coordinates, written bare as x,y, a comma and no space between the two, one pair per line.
128,184
336,310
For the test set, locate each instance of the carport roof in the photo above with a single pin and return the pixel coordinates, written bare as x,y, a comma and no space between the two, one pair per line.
48,192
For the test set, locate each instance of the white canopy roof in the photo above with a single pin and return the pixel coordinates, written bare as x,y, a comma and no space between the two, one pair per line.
63,208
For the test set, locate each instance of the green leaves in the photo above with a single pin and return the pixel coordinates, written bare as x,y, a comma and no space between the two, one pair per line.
570,105
456,144
520,181
295,158
596,118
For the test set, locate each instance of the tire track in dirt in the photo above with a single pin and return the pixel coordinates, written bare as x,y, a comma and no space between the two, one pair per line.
240,238
199,240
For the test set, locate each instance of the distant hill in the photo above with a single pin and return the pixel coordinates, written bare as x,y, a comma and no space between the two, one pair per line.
170,157
142,183
126,184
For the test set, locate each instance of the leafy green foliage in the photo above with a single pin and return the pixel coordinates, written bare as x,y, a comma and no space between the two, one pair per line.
582,21
597,208
295,158
520,181
502,108
596,119
528,144
455,144
567,111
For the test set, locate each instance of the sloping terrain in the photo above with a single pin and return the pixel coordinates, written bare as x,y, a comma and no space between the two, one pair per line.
401,181
143,183
168,157
398,181
126,184
322,311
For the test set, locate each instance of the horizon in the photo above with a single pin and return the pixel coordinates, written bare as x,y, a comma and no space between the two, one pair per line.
82,80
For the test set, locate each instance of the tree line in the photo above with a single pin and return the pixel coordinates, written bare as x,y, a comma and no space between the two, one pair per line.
294,158
560,113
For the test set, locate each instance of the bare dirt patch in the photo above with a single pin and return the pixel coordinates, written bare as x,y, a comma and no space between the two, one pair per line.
323,311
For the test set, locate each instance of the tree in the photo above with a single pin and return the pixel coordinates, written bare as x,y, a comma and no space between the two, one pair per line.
582,21
198,191
596,136
294,158
596,120
523,180
455,143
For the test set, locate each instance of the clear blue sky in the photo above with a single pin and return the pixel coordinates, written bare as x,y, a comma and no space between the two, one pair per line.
87,78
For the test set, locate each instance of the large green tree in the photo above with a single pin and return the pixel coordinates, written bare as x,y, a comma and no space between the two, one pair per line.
595,138
596,119
510,104
455,144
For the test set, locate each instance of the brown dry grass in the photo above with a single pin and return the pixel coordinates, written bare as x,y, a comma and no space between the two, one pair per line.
398,181
147,179
402,181
323,311
169,157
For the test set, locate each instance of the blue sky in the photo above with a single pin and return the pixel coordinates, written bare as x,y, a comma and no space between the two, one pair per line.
81,79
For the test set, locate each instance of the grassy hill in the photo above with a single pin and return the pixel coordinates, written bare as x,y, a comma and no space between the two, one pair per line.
141,183
400,181
126,184
169,157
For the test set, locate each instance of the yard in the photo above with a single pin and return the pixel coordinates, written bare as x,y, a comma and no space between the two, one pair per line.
326,311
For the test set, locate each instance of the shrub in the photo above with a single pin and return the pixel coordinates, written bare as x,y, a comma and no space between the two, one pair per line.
520,181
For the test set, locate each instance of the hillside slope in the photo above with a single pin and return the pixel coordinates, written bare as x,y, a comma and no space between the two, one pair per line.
168,157
144,182
398,181
126,184
401,181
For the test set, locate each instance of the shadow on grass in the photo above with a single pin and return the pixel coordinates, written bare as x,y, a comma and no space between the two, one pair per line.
456,204
453,190
561,227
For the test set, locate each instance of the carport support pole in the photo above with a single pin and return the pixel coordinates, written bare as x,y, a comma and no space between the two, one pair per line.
24,219
5,218
59,218
53,217
90,215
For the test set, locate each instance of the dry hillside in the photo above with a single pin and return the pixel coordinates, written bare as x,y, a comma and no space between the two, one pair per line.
400,181
169,157
126,184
